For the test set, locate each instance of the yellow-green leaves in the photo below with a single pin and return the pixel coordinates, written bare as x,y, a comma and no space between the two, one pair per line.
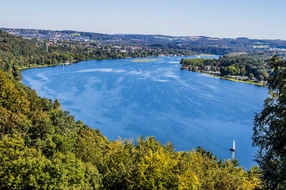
22,167
156,166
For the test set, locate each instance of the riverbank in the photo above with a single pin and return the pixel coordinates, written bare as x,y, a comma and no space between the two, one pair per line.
243,81
262,84
32,66
148,59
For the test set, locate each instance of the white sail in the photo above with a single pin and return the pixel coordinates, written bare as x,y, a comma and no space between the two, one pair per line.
233,145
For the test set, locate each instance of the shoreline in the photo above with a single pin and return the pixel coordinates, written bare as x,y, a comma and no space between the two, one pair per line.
230,79
46,65
241,81
76,61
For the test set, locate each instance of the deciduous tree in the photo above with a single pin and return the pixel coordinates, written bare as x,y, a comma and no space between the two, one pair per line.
270,129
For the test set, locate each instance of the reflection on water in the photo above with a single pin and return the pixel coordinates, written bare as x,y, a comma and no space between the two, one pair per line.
233,155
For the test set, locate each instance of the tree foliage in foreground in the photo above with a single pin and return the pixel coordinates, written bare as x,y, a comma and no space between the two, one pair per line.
270,129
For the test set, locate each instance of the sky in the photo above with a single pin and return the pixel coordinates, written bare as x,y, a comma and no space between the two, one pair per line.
256,19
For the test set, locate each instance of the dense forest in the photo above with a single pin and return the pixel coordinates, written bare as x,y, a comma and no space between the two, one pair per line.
245,65
43,147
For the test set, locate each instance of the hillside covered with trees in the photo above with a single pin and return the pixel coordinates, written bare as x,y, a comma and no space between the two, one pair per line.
16,52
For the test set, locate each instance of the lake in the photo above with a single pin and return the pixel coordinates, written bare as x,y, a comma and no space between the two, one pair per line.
153,97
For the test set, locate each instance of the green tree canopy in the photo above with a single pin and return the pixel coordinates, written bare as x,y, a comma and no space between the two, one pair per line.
270,129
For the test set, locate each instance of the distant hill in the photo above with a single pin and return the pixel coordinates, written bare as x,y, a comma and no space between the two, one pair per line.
197,44
17,52
17,45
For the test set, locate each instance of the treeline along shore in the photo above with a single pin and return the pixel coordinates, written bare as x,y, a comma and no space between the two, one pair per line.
246,68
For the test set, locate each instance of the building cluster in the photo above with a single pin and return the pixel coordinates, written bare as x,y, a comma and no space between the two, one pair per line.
47,34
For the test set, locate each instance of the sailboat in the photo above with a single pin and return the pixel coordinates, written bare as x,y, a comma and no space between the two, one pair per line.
233,146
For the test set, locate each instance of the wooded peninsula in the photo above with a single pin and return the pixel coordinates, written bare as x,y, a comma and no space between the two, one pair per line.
243,67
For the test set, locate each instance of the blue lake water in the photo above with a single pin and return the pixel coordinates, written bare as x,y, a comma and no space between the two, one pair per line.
128,98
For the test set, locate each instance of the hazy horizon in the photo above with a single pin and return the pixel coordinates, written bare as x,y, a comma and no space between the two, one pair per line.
256,19
142,34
